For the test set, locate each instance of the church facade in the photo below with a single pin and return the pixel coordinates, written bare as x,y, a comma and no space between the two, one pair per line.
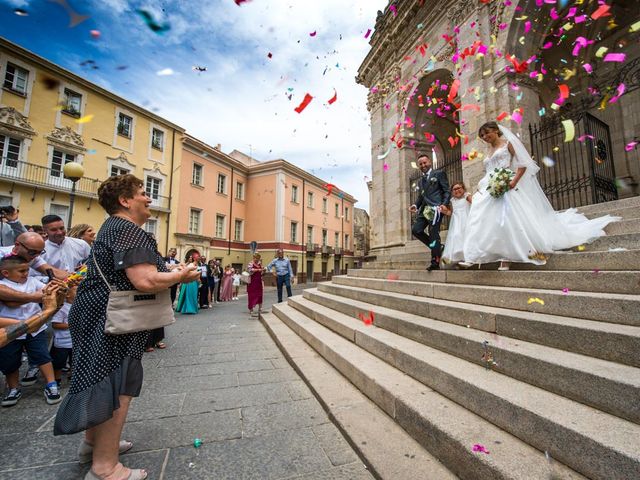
564,77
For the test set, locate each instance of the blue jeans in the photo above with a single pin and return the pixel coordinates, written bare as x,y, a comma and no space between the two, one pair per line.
284,280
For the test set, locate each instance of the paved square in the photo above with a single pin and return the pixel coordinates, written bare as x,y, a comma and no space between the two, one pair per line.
221,379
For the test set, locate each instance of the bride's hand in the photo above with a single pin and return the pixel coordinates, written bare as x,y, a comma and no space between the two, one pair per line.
512,184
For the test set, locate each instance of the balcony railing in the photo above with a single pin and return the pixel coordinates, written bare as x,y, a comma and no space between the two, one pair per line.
312,248
338,251
327,250
36,175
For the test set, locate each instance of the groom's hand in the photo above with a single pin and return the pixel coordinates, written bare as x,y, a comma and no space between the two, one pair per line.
413,209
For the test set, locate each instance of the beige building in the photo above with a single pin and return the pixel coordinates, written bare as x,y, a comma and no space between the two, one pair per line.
50,117
228,201
416,103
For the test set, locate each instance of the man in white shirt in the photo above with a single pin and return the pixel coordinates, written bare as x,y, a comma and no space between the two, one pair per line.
62,252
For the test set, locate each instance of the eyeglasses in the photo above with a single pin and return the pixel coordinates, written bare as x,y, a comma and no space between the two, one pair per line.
31,252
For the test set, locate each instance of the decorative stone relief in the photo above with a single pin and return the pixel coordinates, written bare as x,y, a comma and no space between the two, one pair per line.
67,138
460,11
13,122
122,161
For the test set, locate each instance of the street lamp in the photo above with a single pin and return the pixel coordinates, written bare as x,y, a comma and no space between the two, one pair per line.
74,172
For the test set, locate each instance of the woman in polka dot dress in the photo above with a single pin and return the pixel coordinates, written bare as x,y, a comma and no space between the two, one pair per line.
107,369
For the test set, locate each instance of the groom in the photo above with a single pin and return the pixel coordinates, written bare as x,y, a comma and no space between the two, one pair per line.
434,194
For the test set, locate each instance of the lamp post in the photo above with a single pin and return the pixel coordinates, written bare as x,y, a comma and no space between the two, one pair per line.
74,172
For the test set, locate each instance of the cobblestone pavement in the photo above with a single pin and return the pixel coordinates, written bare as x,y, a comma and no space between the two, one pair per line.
222,380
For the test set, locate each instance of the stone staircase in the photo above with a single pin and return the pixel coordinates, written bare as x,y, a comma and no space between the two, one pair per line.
539,366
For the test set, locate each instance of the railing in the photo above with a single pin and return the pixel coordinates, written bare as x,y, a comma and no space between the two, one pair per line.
31,174
338,251
312,248
327,250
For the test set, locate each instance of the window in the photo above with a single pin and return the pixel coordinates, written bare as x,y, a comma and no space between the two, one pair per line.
124,125
16,78
222,183
118,171
157,139
237,231
194,220
324,237
309,233
337,208
309,199
346,213
5,201
294,232
239,191
325,205
151,226
72,102
61,210
336,239
9,151
220,226
196,175
294,193
346,242
153,187
58,161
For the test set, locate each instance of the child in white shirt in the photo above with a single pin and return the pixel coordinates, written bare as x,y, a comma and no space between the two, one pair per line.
15,273
236,284
459,211
61,350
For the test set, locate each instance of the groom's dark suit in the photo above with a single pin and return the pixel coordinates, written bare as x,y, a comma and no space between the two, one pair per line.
434,191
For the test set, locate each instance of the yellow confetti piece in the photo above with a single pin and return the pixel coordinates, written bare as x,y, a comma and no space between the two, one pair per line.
601,51
535,300
554,106
581,248
635,27
486,72
493,89
567,26
521,40
85,119
413,165
569,130
523,17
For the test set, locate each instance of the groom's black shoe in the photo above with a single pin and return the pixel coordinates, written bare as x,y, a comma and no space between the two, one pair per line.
433,267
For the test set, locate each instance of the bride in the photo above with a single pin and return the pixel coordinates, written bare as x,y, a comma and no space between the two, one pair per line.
520,226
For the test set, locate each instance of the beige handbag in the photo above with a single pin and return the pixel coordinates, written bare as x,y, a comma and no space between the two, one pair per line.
130,311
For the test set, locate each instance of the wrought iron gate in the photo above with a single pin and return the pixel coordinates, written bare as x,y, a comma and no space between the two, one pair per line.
452,165
580,172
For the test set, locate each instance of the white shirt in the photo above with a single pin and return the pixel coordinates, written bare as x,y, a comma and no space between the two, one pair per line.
35,263
28,310
68,255
62,338
236,279
203,271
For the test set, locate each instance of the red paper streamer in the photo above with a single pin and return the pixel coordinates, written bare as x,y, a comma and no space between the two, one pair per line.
564,91
305,102
502,116
334,98
602,11
454,90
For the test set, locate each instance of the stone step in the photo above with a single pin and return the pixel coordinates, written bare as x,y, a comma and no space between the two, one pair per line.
606,282
623,227
626,213
607,341
357,417
444,428
607,207
608,386
587,440
604,307
583,261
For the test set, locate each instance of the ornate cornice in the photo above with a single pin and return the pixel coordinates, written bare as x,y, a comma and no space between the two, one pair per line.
13,122
122,158
459,12
67,138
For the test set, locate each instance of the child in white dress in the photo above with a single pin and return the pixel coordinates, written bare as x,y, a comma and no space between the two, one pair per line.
459,211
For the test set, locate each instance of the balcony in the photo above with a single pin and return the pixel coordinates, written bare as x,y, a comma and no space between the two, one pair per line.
327,250
312,248
338,251
30,174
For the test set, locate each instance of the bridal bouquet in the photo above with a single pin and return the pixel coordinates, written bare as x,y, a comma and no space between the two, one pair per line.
499,182
429,212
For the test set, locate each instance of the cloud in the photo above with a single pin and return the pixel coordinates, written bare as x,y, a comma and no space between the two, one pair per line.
244,100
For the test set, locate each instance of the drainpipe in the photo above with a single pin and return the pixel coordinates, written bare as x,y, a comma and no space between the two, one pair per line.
173,154
230,212
304,245
344,247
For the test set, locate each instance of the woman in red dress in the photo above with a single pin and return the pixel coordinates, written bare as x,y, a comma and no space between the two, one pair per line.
254,288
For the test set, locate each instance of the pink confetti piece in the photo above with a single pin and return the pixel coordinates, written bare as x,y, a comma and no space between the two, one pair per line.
385,167
516,116
565,291
480,448
313,34
547,45
620,91
394,9
588,67
581,42
366,35
580,19
527,26
630,146
615,57
582,138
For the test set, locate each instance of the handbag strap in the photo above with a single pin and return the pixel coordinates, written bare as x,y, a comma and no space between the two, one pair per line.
95,262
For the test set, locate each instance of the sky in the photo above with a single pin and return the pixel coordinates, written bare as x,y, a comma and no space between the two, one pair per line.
244,100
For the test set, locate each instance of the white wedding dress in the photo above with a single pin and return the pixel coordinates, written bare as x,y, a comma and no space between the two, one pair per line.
522,225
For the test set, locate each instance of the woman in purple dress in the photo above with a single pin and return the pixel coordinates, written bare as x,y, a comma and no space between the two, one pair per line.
255,287
226,291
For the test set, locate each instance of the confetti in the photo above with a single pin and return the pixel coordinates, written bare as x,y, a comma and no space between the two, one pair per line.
564,91
197,443
239,2
20,12
368,320
334,98
394,9
269,55
92,151
581,248
198,68
384,155
165,72
630,146
366,35
602,11
535,300
569,130
85,119
385,167
601,51
74,17
304,103
581,138
588,68
480,448
548,161
393,276
615,57
313,34
565,291
329,187
95,34
635,27
152,24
